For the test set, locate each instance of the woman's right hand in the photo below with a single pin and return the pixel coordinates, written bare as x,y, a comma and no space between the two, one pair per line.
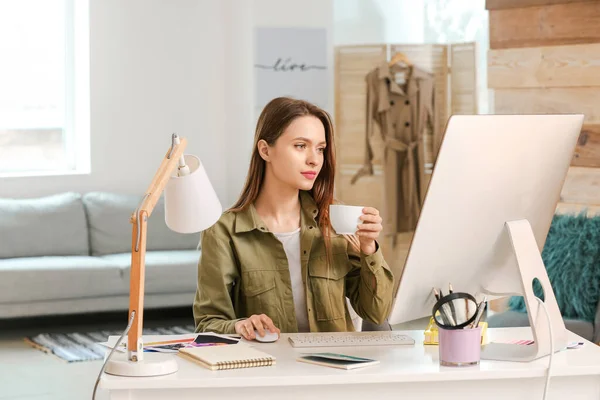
260,323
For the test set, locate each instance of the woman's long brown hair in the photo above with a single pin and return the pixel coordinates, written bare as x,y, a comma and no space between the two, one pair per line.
274,119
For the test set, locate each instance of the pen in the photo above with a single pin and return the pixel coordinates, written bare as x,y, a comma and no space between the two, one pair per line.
480,309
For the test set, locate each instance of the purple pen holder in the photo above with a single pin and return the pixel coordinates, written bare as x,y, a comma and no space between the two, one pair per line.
459,347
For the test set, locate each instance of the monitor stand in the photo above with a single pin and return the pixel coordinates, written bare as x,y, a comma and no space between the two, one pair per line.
531,266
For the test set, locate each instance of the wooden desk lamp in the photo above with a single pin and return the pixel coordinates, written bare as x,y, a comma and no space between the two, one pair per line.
191,205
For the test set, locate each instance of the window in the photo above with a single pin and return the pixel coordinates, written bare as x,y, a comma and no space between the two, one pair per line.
456,21
44,81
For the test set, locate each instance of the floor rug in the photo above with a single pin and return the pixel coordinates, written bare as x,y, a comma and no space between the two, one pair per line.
75,346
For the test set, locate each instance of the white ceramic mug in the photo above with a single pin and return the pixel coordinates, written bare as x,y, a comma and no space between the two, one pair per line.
345,219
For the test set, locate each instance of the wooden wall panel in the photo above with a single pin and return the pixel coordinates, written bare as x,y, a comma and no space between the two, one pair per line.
545,58
560,24
462,103
582,186
587,152
573,208
367,191
504,4
352,65
427,180
539,67
463,78
550,101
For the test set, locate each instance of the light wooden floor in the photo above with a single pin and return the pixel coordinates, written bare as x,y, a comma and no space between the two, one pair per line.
29,374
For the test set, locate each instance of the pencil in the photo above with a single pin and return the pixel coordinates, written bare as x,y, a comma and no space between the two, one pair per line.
441,311
452,309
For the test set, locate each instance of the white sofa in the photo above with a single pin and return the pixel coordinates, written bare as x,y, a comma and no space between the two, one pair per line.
69,253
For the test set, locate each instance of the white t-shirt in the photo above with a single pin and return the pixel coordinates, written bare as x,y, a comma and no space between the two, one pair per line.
291,245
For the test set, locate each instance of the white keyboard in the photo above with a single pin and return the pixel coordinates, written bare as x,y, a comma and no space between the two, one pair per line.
344,339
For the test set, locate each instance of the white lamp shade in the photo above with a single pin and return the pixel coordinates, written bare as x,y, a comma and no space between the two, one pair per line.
191,204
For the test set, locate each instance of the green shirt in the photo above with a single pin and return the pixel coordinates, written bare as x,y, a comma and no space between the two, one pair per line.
244,270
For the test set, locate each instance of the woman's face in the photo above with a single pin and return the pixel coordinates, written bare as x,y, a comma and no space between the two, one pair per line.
296,158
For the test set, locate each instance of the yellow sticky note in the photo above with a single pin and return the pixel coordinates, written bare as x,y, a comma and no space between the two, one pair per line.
431,333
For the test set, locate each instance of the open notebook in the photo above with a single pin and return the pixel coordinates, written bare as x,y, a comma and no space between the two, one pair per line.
227,357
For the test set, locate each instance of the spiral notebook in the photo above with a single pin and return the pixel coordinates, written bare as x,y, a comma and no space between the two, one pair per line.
227,357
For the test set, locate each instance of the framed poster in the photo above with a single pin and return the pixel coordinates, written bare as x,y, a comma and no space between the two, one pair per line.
291,62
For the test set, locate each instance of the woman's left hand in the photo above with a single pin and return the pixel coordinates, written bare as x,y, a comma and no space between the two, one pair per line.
369,230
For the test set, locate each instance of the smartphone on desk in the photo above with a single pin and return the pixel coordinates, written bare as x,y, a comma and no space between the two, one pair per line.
335,360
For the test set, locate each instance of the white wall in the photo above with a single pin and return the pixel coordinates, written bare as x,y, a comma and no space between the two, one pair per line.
156,68
240,113
244,17
182,66
378,21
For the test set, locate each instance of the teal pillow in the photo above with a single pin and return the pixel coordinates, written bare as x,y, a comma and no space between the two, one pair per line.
572,258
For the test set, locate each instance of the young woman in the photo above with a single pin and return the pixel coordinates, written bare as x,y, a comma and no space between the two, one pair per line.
272,262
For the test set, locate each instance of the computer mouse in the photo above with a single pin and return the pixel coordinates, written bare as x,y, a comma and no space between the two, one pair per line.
268,338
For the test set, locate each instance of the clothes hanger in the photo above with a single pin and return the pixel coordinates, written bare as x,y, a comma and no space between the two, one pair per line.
400,58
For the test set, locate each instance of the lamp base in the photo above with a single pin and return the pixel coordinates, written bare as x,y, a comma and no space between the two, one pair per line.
154,364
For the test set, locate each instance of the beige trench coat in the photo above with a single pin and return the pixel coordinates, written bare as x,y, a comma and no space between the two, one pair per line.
402,112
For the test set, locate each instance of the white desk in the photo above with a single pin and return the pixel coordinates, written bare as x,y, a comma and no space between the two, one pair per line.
405,372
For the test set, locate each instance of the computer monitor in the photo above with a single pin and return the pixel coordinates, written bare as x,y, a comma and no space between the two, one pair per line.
485,218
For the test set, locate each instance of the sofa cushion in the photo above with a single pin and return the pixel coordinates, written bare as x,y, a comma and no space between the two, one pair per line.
110,229
52,278
47,226
571,255
166,271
